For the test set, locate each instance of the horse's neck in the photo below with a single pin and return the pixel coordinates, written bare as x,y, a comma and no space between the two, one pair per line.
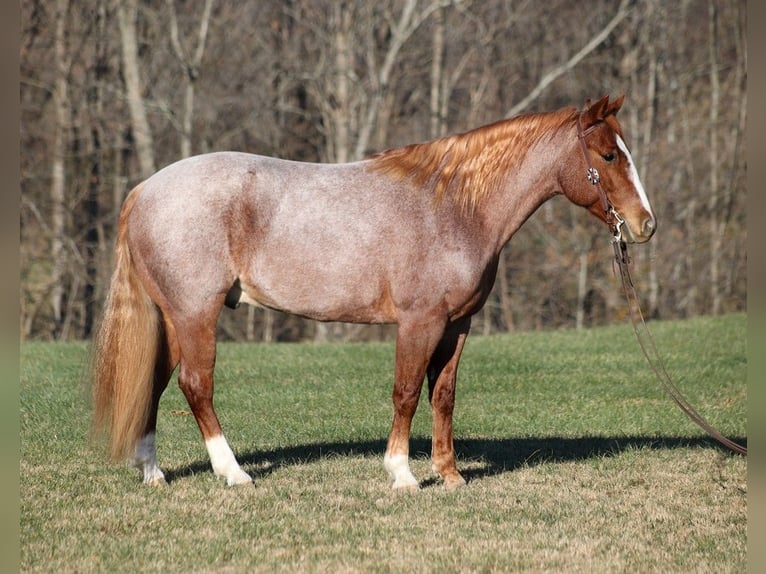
527,186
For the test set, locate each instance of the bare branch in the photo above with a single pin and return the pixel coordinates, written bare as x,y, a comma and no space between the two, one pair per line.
548,78
190,65
407,24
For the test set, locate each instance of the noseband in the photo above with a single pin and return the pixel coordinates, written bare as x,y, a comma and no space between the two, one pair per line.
613,219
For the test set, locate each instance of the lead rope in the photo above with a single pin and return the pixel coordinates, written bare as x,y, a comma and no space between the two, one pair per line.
649,348
644,336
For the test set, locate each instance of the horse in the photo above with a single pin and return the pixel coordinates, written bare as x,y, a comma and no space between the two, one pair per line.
409,236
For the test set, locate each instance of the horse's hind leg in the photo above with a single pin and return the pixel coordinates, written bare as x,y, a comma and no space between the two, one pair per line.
196,340
442,376
145,457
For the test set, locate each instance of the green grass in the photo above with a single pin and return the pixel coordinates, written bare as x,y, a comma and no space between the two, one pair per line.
575,460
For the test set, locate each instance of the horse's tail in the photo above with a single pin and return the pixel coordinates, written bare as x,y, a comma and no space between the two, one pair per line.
125,351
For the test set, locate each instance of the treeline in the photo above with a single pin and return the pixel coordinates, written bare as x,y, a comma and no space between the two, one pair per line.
112,90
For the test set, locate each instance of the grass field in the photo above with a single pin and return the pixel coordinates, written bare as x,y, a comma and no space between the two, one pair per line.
575,461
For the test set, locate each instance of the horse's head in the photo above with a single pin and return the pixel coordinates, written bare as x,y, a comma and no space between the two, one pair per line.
602,176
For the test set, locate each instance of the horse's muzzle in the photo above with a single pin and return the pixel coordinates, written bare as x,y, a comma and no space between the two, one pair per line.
647,228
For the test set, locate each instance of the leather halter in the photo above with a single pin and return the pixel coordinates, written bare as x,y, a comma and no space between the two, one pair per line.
613,219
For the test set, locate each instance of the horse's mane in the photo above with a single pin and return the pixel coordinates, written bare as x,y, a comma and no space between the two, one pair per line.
470,165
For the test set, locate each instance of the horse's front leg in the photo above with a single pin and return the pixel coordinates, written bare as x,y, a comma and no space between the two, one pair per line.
415,343
442,377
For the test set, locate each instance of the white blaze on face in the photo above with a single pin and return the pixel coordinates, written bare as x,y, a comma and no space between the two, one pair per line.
633,174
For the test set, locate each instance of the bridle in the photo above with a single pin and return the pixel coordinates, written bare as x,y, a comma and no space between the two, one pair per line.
645,339
613,219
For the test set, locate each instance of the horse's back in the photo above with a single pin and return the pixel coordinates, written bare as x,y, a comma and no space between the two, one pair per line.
327,241
300,236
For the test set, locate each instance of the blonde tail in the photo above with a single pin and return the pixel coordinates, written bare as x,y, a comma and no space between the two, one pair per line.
125,352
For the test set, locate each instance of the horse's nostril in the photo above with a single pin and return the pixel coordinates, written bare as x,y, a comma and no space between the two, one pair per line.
649,226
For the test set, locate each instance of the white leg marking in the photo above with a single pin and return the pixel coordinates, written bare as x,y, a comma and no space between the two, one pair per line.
398,468
224,463
145,460
633,172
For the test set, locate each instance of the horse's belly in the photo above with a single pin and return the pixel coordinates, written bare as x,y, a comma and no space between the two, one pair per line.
317,296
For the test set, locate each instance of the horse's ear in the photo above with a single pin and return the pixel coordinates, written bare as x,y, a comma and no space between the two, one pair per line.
615,106
594,113
599,111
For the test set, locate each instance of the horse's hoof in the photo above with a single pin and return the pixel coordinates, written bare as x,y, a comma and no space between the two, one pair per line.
406,485
240,478
453,483
153,476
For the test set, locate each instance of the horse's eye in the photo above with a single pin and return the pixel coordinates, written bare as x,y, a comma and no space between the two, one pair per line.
609,157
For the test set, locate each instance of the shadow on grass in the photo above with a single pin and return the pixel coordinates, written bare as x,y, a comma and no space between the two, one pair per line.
477,458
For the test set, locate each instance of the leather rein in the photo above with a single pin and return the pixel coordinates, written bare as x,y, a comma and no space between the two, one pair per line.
645,339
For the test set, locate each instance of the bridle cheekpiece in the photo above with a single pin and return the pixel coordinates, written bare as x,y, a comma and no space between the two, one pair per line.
613,219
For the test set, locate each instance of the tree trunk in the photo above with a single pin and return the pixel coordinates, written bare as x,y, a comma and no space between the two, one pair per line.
250,325
582,287
94,237
645,159
58,175
506,310
734,151
342,109
190,65
142,135
716,228
437,71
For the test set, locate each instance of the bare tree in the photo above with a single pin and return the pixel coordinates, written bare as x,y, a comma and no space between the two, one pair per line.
642,119
724,146
58,179
402,30
142,133
438,121
102,104
576,58
95,240
715,224
190,64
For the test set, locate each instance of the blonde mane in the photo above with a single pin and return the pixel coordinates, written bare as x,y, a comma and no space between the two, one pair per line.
469,166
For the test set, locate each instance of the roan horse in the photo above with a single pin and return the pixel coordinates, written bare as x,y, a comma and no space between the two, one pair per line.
409,236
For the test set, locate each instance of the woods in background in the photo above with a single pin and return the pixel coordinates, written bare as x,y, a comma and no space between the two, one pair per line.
112,90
